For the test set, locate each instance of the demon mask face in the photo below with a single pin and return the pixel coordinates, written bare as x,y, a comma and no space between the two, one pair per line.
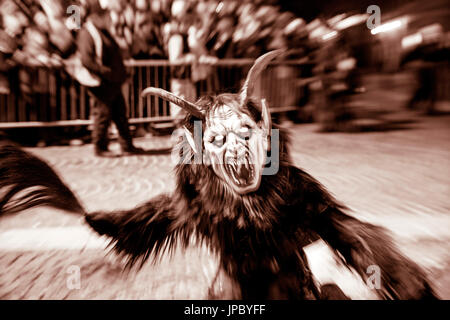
235,144
236,131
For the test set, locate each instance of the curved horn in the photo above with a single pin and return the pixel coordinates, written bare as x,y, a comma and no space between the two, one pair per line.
166,95
255,71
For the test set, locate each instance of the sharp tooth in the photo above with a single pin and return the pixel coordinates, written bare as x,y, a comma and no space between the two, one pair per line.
236,180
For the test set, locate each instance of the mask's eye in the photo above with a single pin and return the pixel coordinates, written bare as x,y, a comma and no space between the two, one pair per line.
245,132
218,140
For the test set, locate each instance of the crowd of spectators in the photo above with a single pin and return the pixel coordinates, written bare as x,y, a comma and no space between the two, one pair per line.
41,31
199,32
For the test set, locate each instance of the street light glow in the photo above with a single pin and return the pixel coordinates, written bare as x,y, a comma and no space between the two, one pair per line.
388,26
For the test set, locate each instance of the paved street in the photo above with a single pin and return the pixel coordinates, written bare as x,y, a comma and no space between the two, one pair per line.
399,179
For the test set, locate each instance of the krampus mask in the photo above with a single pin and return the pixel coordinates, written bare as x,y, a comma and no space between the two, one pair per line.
236,131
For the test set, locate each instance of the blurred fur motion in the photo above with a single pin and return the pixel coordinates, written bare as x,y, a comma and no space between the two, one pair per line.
258,235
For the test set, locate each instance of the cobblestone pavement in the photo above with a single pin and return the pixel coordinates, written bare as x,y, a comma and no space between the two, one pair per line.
399,179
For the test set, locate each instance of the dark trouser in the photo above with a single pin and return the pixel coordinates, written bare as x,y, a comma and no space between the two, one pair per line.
426,92
109,104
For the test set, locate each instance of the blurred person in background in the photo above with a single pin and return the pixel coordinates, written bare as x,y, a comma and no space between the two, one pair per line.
177,48
41,39
335,68
186,36
198,34
426,57
101,55
18,28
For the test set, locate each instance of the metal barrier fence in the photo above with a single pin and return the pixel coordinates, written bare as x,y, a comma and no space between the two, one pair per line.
45,97
49,97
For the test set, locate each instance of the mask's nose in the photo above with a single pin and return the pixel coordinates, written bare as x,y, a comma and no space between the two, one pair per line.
234,149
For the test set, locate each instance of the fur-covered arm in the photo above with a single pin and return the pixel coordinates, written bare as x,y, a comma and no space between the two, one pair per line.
141,232
362,245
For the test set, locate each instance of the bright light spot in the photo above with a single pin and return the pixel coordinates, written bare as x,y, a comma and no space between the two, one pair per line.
389,26
412,40
351,21
336,19
294,25
329,35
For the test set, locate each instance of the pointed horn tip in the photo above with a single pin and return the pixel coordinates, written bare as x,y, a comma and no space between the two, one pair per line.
258,66
272,54
148,91
168,96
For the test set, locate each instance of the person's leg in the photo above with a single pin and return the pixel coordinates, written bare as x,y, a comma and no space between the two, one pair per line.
422,91
102,119
431,90
120,119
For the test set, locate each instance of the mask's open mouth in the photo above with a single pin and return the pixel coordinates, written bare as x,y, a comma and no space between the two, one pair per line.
241,171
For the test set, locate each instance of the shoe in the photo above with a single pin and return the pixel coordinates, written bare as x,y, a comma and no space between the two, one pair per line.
133,151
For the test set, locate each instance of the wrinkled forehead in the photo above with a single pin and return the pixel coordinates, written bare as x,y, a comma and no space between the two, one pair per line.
226,116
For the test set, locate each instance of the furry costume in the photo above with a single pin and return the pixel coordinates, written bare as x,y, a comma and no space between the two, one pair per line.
256,223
